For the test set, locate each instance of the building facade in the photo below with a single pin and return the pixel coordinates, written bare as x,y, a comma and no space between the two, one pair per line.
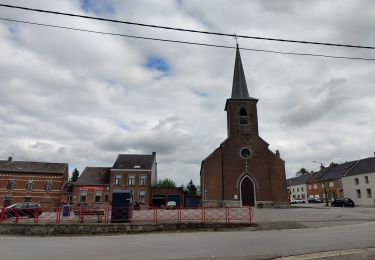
135,172
242,170
359,182
22,181
298,186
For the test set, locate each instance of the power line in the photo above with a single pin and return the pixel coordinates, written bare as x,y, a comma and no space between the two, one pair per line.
188,30
187,42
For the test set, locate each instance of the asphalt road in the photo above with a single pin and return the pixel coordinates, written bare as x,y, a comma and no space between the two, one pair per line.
190,245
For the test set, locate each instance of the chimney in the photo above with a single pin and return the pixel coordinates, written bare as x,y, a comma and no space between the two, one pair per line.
10,159
321,166
154,154
278,153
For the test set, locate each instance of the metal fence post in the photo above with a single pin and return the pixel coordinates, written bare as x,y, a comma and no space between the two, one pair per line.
36,215
2,215
179,215
250,214
226,215
17,215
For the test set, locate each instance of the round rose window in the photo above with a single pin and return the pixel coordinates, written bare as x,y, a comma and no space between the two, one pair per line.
245,152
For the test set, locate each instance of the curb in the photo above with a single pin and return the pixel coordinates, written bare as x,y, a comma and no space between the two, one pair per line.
347,254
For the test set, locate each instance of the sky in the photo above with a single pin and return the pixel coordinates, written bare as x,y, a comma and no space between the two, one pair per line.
83,98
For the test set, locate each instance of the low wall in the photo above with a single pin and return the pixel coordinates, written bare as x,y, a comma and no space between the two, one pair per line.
93,229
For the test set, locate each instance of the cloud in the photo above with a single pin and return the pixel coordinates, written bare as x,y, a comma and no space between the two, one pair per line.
82,98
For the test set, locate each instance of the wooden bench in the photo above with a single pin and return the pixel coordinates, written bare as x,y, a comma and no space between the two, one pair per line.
84,212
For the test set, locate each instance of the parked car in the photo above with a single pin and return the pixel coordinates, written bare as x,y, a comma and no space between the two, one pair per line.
171,204
24,209
297,201
314,200
346,202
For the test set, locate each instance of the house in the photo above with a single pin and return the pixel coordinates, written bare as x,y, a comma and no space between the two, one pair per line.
92,187
298,186
359,182
331,183
314,187
243,170
23,181
136,172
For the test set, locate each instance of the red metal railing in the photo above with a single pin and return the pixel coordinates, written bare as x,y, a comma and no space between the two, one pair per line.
66,215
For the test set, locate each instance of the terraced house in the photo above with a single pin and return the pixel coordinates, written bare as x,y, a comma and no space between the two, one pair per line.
23,181
135,172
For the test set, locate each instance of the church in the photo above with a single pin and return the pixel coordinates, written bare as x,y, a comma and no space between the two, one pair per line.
242,171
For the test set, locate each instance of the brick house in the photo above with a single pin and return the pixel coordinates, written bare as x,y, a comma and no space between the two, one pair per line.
242,170
330,182
136,172
314,187
22,181
92,187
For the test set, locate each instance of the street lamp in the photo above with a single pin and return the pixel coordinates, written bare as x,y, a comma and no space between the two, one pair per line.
324,183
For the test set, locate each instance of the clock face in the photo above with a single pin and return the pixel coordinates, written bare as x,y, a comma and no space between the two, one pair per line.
245,152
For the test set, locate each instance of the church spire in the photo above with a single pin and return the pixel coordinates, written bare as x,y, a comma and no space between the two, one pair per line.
239,88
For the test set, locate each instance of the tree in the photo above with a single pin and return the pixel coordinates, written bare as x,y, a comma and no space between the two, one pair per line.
166,183
75,175
191,189
301,172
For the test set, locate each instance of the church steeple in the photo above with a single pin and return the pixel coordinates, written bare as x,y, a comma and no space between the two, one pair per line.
239,88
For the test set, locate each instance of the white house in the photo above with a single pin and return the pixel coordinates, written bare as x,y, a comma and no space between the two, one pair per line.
297,186
359,182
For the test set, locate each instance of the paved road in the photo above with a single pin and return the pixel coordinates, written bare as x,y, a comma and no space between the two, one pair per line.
190,245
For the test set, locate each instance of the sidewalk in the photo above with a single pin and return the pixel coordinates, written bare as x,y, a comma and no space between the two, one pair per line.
349,254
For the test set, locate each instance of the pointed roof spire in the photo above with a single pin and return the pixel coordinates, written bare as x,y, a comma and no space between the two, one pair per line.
239,88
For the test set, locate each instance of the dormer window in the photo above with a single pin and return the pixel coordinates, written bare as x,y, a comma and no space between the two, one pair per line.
244,120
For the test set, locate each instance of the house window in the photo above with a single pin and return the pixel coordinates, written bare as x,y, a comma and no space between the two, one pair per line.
142,196
131,180
301,188
7,200
83,196
243,117
27,199
366,179
297,189
323,185
331,184
98,196
356,181
315,186
293,189
294,196
29,185
369,194
358,193
49,185
118,180
310,187
303,196
106,198
10,185
142,180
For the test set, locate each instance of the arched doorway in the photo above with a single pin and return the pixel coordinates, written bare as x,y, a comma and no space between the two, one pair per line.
247,192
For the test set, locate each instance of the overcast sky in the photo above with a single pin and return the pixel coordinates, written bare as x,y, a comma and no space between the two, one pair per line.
83,98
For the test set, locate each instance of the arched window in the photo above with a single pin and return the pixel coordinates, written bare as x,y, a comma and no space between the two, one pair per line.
243,117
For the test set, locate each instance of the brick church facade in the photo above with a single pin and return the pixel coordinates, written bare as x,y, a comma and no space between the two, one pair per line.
242,170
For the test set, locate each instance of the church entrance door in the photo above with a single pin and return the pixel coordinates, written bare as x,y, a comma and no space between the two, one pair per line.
247,192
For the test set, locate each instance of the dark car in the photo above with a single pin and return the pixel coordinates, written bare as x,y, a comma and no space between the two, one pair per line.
314,200
23,209
346,202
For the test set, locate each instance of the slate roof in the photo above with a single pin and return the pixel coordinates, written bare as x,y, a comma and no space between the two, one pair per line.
299,180
363,166
239,87
337,171
128,161
318,175
94,176
32,167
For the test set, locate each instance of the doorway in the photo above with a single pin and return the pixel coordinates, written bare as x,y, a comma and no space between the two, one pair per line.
247,192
